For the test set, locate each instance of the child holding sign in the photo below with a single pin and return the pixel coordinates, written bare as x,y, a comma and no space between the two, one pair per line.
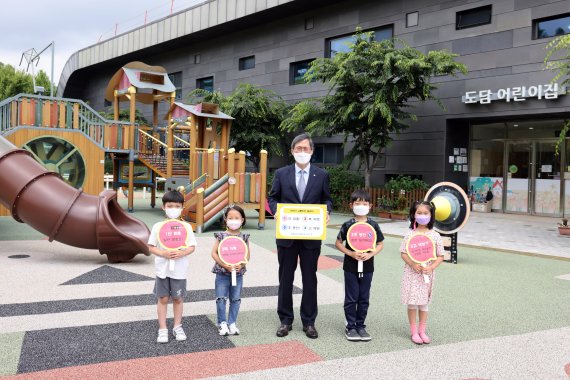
228,265
171,242
363,241
421,244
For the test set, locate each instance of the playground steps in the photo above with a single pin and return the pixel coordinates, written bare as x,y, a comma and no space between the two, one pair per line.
157,163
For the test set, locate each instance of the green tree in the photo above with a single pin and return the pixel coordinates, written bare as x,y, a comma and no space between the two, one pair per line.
370,89
124,115
558,60
14,82
257,112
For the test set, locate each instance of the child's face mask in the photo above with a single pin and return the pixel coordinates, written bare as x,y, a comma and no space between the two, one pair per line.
173,213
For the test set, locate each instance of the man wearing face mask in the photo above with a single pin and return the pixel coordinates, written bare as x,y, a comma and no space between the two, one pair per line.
300,183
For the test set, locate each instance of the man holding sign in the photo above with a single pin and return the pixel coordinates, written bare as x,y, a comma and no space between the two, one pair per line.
363,239
171,241
301,184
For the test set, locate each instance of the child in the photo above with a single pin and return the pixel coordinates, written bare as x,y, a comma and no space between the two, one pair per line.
357,285
415,292
234,217
171,281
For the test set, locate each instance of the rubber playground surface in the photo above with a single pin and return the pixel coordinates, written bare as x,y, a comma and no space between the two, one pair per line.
67,313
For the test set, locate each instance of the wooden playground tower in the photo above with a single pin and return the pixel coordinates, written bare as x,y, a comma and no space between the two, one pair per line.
213,176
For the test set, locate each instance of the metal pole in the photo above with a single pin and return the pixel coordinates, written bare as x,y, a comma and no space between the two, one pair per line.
52,61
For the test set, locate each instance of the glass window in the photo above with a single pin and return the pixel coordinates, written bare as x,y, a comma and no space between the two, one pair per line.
552,27
473,17
342,44
176,79
247,63
567,180
412,19
327,154
297,70
489,131
205,83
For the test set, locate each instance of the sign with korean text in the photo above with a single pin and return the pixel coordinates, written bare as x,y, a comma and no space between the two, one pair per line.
420,248
361,237
232,250
301,221
515,94
173,234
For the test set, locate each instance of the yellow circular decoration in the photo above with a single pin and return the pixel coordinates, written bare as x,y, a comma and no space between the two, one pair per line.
442,208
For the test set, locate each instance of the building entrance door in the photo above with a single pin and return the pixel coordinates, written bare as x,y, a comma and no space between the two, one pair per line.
533,178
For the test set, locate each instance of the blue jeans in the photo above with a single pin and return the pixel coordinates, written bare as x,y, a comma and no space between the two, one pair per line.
356,298
225,290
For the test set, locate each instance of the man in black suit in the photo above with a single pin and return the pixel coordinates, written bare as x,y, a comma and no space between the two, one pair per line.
300,183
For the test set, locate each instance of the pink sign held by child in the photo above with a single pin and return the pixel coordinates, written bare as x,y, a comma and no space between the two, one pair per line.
233,250
421,249
361,237
172,235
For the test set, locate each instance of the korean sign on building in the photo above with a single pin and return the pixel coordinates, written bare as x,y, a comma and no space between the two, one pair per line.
515,94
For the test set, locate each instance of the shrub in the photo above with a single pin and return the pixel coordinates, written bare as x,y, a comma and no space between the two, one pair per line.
341,182
406,183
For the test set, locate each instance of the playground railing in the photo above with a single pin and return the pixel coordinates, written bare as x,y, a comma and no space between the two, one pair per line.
245,189
62,113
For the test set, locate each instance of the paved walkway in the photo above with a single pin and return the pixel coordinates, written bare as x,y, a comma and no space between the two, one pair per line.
517,233
67,313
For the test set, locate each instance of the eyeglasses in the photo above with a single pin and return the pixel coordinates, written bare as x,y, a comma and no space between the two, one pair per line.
299,149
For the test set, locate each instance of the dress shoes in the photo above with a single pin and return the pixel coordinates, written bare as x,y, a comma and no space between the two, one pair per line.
311,332
283,330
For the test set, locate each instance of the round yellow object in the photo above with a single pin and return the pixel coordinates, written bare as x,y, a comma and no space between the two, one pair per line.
442,208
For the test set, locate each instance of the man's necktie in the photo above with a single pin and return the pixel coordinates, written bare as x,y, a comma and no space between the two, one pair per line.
301,185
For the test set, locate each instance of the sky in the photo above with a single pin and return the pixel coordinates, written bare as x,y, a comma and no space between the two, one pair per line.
72,25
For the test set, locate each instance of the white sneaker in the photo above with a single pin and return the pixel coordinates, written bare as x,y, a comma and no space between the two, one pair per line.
178,333
223,329
233,329
162,336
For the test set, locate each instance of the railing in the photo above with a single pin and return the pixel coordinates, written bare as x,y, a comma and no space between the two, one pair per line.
378,195
62,113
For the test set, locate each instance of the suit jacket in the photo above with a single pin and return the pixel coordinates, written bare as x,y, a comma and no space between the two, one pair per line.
284,190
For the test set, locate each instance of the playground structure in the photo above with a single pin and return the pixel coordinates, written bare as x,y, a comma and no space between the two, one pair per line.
70,138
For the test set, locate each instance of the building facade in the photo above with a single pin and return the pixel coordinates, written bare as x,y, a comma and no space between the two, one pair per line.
501,121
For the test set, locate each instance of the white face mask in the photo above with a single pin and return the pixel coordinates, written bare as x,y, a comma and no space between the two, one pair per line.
302,158
361,210
233,224
173,213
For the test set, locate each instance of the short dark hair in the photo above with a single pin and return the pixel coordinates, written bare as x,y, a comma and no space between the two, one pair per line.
238,209
301,137
415,206
173,196
359,195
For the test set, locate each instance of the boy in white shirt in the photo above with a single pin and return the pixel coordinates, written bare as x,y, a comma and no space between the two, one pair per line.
171,268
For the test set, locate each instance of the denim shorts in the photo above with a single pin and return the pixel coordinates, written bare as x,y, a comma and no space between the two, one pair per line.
164,287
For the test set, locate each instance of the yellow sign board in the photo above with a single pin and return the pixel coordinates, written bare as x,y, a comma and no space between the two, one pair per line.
301,221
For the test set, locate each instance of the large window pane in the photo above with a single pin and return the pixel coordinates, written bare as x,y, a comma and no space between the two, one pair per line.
552,27
342,44
473,17
205,83
486,171
567,180
297,71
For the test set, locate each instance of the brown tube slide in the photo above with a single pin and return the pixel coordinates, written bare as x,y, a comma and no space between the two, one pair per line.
44,201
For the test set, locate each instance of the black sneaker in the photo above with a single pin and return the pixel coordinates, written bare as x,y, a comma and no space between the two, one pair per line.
364,336
352,335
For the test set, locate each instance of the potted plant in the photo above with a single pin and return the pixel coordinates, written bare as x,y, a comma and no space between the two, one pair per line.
401,212
564,228
385,206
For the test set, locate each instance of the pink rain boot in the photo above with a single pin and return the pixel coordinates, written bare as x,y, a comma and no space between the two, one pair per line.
415,337
426,339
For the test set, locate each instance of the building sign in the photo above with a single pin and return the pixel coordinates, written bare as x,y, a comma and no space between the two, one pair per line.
516,94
